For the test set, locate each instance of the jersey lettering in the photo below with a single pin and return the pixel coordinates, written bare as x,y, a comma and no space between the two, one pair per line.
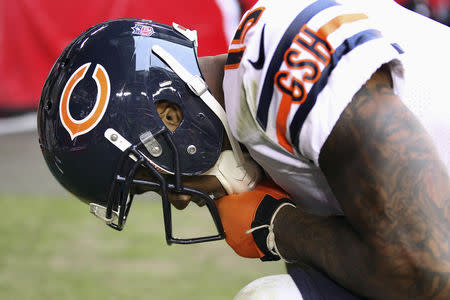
308,70
235,55
314,44
309,54
295,89
304,68
276,61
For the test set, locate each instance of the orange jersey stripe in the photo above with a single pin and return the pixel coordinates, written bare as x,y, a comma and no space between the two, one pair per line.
337,22
283,112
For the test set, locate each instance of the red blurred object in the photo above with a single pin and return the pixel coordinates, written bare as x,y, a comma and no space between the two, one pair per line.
247,4
438,10
34,32
432,3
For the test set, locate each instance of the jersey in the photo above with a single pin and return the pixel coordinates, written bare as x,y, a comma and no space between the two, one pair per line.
293,67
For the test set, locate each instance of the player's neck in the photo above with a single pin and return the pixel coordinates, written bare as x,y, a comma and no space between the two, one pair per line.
212,68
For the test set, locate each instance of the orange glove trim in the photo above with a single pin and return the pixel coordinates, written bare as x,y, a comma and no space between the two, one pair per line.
238,211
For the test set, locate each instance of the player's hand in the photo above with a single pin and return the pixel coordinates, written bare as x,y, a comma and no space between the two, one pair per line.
247,219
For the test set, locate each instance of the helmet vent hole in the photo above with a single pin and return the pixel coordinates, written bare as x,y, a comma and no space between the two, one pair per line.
48,105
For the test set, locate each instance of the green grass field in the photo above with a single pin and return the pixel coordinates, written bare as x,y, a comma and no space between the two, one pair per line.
53,248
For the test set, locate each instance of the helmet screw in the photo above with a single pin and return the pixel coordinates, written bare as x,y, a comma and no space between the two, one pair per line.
191,149
155,150
114,137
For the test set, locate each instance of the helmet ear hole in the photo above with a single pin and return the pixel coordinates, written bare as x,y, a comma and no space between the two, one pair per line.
48,105
170,113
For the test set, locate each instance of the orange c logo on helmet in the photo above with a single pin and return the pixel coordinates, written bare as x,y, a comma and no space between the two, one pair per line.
79,127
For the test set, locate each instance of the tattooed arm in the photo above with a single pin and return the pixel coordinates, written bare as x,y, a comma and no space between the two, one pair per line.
393,242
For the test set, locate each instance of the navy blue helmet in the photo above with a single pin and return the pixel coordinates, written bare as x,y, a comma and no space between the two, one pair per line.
98,122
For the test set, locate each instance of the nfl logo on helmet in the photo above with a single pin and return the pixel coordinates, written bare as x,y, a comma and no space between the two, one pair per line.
142,29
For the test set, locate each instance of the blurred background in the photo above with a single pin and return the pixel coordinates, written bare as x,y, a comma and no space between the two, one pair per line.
34,32
50,246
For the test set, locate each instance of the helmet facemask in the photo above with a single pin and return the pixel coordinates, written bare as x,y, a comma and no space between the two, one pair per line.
121,198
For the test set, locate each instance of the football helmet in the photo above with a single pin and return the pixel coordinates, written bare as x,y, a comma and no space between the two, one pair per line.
98,122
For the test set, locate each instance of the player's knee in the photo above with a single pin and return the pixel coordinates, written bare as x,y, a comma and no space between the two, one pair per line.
270,288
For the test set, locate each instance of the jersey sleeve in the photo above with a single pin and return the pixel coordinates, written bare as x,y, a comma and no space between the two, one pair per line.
317,55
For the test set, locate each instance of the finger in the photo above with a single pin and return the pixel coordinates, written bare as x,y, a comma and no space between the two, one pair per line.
200,201
179,201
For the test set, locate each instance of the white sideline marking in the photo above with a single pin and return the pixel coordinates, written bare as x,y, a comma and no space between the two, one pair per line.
22,123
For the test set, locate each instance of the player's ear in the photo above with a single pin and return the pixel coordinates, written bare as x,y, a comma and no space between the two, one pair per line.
170,113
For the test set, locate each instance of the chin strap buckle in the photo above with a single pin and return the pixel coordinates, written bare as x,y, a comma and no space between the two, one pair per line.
100,212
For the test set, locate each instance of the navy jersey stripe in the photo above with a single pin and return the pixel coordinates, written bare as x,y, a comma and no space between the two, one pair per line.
234,57
304,109
277,59
398,48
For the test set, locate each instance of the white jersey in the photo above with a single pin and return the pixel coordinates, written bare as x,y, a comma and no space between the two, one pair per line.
293,66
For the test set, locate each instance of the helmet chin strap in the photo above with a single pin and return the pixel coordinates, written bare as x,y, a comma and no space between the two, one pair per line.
199,87
235,172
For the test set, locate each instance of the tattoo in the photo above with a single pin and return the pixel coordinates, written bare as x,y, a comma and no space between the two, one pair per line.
385,172
393,242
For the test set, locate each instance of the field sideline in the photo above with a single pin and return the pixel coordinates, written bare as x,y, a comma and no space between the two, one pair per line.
51,247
